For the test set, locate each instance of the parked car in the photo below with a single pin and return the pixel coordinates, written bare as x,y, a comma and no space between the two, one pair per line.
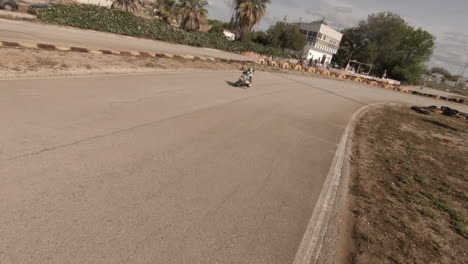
8,5
32,9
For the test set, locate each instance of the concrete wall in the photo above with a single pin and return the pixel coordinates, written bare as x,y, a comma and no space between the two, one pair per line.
314,54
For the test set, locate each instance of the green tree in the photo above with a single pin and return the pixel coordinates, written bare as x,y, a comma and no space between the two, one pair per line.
247,14
351,47
168,10
222,24
193,14
440,70
216,29
320,21
460,85
387,42
260,37
286,36
126,5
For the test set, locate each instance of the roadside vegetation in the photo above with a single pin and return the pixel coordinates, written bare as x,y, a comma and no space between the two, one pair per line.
390,44
384,40
125,23
459,88
410,188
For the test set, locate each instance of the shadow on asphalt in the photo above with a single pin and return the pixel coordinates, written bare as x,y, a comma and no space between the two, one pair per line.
233,84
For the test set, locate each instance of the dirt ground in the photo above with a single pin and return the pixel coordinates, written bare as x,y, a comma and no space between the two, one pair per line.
410,188
21,62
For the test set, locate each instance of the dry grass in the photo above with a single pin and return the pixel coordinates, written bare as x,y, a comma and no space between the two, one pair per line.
20,62
410,188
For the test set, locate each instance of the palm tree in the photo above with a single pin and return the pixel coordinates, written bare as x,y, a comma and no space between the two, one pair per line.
193,14
168,10
126,5
248,13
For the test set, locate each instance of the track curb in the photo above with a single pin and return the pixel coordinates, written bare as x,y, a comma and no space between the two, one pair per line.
310,248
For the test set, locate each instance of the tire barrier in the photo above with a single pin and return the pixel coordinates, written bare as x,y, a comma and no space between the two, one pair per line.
274,64
285,65
262,61
342,76
312,70
326,73
298,68
388,86
444,110
358,80
373,83
405,90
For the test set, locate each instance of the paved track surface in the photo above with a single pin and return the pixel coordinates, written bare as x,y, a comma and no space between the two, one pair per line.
34,32
167,168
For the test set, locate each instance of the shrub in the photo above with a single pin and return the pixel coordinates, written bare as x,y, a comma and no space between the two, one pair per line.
124,23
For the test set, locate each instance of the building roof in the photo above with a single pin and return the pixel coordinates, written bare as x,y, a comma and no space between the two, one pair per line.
322,28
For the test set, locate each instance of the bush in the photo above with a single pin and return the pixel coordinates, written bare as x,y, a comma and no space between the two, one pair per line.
216,29
124,23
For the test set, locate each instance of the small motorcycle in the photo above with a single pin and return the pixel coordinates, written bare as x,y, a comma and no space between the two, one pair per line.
243,81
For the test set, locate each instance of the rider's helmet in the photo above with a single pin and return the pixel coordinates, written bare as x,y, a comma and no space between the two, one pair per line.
251,70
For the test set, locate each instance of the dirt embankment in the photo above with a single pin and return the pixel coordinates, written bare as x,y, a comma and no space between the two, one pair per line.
20,62
409,191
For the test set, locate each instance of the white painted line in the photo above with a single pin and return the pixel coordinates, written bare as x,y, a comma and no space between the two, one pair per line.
311,244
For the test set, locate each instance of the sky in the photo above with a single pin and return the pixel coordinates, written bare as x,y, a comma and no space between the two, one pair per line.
445,19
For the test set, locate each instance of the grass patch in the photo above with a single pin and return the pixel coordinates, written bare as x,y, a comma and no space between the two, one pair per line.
410,167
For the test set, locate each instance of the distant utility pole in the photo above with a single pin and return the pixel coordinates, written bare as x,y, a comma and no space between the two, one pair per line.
461,73
462,69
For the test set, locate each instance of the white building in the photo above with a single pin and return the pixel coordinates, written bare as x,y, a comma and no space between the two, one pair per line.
322,42
463,80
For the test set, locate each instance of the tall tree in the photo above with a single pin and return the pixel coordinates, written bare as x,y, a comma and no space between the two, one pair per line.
248,13
126,5
440,70
386,41
193,14
286,36
168,10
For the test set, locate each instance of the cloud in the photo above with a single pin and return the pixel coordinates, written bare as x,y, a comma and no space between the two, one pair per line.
451,51
337,16
343,9
219,3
